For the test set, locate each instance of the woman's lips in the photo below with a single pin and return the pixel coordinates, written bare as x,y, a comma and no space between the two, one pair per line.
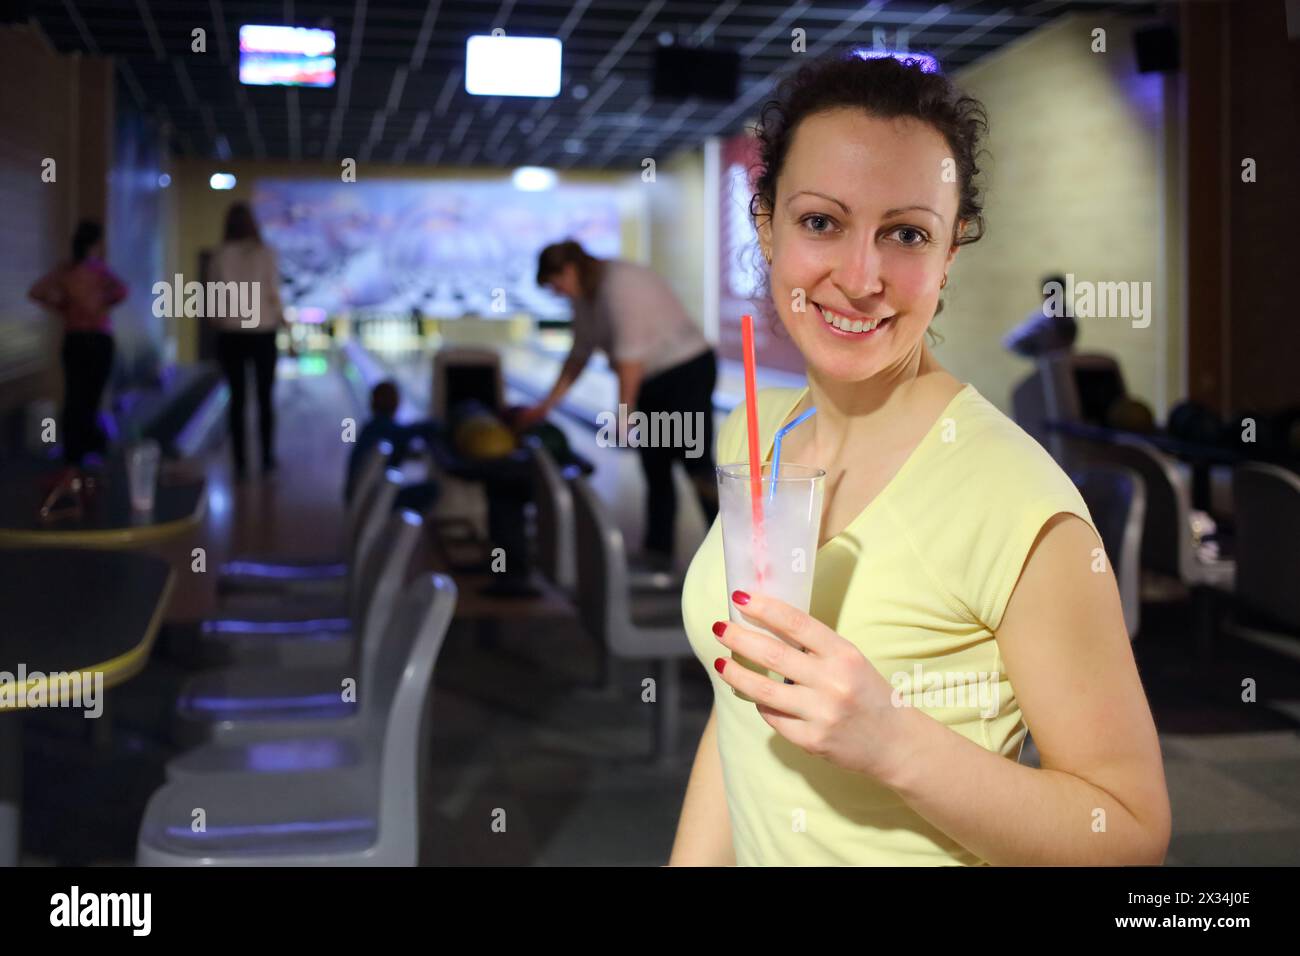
847,334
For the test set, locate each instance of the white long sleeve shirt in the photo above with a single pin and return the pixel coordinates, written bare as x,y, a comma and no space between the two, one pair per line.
635,317
247,261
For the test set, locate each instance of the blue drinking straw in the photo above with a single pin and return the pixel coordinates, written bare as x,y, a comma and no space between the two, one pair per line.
776,451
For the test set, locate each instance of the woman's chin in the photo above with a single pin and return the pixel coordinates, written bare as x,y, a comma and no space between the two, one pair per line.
835,368
841,365
849,362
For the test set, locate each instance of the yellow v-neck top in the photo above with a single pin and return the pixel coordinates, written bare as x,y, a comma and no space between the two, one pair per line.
919,581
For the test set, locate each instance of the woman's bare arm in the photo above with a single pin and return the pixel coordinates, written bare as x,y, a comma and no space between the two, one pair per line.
48,290
704,828
1100,795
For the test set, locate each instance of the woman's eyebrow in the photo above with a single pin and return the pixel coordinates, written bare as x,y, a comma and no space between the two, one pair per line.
891,212
895,212
810,192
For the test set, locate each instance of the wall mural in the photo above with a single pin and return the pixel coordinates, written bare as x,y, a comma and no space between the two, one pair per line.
444,247
741,289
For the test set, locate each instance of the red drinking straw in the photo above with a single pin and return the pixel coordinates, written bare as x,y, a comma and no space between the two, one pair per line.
751,418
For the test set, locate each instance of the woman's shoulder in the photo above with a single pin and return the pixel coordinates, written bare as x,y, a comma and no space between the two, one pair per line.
981,459
973,509
987,434
622,277
243,247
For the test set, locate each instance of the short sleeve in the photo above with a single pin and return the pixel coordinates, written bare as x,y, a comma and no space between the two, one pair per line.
973,507
633,313
1022,531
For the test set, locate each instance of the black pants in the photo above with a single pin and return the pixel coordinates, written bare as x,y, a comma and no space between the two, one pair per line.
688,389
87,362
234,350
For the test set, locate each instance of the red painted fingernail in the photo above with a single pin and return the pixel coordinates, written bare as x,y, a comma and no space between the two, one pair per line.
719,627
719,664
740,597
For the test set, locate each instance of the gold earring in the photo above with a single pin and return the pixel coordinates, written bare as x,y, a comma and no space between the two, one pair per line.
944,282
768,256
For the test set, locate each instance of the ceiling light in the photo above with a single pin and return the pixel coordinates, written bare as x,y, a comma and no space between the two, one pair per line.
512,66
533,179
928,63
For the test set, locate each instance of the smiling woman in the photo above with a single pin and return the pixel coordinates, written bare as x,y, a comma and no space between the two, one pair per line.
953,551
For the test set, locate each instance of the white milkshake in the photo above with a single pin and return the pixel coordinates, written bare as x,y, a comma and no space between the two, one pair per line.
780,560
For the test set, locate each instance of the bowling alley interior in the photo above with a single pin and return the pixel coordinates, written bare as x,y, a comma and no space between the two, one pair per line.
406,407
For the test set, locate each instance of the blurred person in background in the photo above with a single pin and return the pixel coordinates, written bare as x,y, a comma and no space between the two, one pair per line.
663,362
82,291
1044,330
244,257
385,400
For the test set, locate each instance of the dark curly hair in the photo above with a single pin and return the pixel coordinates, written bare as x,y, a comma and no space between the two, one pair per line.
885,87
241,224
88,233
552,260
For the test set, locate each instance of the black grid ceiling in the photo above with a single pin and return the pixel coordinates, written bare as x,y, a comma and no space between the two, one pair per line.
400,92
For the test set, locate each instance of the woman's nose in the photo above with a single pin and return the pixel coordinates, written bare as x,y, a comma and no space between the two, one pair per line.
858,272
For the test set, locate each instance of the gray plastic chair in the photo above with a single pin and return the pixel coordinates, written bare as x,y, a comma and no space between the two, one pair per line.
554,509
1116,499
556,547
1058,374
631,626
212,704
1267,503
365,815
310,629
297,742
282,576
1167,545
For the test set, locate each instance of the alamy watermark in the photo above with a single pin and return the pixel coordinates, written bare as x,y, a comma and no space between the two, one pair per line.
652,430
78,689
974,689
208,300
1102,300
133,911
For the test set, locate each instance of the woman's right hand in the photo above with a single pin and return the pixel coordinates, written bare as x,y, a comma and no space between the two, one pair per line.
529,417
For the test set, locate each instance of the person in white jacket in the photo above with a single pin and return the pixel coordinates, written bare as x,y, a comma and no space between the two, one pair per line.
244,258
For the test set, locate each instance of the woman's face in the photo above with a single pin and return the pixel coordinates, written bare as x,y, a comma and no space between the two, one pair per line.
565,282
860,234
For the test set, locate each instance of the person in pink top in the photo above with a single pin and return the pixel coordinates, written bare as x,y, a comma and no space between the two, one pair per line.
82,291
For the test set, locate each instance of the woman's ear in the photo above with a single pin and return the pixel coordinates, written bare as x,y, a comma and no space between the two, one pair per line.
763,226
954,248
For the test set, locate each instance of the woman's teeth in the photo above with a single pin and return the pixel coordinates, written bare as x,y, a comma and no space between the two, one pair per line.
848,325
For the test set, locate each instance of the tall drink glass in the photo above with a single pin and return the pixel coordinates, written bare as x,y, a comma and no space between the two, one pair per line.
142,473
779,558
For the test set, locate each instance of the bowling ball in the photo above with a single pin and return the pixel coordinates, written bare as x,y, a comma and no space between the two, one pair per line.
553,440
483,440
478,434
1128,414
465,410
